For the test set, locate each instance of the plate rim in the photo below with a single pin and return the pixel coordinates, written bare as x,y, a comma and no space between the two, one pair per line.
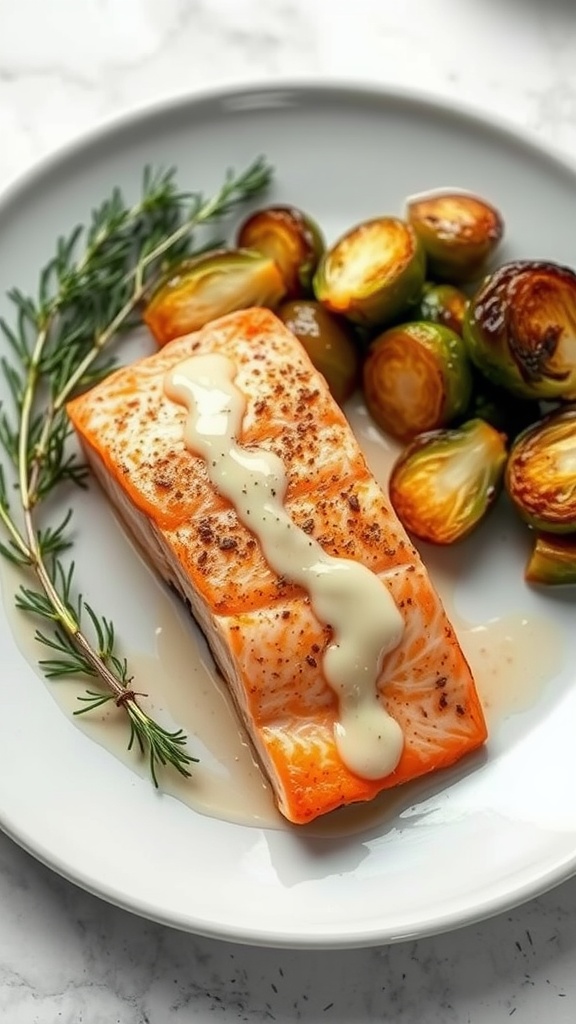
102,134
134,115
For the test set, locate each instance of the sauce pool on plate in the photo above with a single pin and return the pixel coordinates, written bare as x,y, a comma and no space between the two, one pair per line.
512,657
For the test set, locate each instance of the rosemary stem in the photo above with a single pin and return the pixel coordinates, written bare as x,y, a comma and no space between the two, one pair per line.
109,333
61,612
14,533
64,616
28,398
208,210
100,343
85,302
100,666
28,474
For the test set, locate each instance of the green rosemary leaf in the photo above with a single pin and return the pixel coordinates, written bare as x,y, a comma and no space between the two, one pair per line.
14,380
99,626
53,668
8,439
16,342
35,602
13,554
93,700
53,540
63,577
73,662
26,307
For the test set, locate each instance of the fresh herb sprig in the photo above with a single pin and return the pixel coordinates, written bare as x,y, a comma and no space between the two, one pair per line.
89,295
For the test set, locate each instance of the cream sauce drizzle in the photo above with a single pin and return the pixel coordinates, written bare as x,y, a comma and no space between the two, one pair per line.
345,595
516,661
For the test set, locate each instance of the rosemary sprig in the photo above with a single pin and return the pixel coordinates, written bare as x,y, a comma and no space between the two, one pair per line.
89,295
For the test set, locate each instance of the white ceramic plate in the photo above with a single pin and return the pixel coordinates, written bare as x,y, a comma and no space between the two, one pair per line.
465,846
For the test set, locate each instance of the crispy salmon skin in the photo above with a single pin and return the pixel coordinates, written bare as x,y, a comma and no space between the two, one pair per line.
260,626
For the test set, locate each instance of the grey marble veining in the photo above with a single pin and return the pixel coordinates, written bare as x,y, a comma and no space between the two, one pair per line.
65,956
65,66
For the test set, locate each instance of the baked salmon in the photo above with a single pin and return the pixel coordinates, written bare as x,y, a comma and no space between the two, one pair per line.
269,637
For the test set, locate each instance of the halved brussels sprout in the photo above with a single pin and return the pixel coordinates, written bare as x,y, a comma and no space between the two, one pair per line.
442,304
208,286
458,230
373,273
541,473
416,378
328,341
520,329
553,560
444,482
291,238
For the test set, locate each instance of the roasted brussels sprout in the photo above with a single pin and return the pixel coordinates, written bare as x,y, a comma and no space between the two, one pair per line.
458,230
541,473
416,377
520,329
373,273
328,341
442,304
444,482
205,287
291,238
553,560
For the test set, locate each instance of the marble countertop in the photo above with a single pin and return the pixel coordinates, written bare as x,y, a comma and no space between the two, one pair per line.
65,956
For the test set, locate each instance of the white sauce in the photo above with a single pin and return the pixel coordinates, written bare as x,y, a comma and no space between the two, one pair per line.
345,595
515,660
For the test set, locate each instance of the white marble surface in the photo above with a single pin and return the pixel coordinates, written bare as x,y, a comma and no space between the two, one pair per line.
65,956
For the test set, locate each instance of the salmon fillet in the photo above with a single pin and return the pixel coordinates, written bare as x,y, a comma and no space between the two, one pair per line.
261,627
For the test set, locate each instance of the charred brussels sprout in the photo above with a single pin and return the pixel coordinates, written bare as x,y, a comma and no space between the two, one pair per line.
442,304
553,560
459,232
520,329
541,473
416,377
444,482
373,273
206,287
328,341
291,238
